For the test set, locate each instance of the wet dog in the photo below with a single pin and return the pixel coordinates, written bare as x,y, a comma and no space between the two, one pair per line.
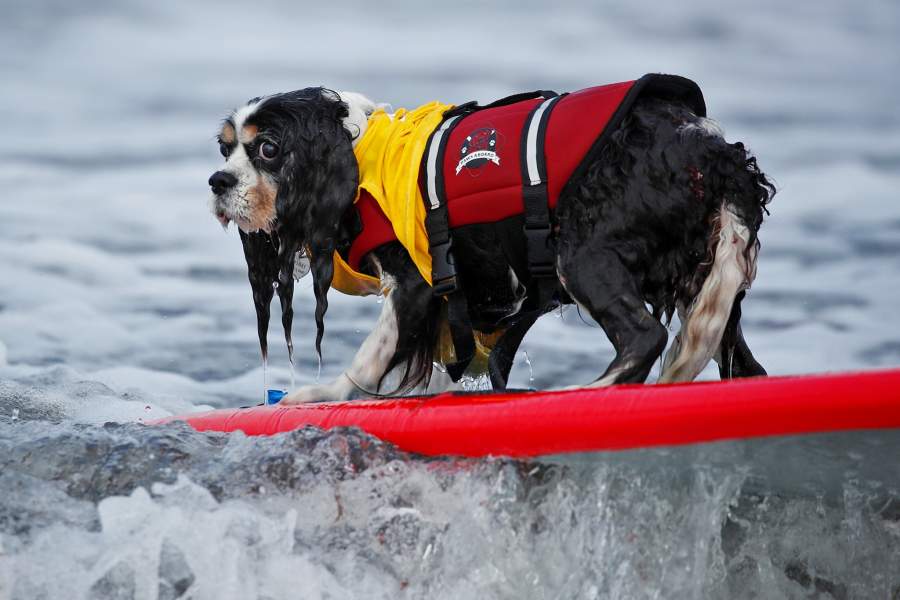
663,220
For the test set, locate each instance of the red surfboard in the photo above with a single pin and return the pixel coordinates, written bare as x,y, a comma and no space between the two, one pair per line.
524,424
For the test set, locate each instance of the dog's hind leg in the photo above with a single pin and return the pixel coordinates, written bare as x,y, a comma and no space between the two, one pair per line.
702,330
734,357
606,289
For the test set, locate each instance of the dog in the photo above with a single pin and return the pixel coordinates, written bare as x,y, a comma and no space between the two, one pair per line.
663,217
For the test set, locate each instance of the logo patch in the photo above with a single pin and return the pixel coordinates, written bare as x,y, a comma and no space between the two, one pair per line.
477,149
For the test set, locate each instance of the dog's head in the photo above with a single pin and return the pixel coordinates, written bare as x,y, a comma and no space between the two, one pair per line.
289,176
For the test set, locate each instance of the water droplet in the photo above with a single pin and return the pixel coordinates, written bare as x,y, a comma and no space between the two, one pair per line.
530,369
291,369
148,407
265,389
15,414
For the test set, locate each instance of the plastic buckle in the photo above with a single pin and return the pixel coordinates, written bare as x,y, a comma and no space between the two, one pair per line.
443,269
540,255
443,287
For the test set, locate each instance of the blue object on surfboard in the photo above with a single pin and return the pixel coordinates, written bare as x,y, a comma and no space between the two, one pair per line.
274,396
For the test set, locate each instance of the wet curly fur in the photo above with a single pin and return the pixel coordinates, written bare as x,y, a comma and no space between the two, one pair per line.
653,195
638,226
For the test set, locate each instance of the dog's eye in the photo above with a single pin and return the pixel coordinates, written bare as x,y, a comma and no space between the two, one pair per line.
268,151
224,149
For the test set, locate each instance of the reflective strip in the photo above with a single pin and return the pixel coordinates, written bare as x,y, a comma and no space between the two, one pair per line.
531,141
431,163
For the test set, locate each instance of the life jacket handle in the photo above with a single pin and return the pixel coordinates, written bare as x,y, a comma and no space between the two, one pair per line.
472,105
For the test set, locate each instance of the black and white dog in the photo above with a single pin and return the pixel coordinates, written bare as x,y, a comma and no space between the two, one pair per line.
664,220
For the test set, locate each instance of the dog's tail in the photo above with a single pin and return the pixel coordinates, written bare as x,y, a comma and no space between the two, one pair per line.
742,192
733,270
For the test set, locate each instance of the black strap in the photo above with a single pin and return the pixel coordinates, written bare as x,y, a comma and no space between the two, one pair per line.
437,220
444,276
461,333
520,97
536,202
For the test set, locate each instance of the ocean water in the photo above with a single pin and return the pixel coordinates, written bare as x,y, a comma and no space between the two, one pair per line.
122,300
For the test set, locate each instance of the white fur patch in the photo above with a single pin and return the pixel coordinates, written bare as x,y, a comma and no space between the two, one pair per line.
241,115
704,126
360,109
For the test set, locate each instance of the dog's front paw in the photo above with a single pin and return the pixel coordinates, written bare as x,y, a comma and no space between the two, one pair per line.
313,393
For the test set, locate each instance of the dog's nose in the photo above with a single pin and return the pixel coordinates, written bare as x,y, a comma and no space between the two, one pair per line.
221,181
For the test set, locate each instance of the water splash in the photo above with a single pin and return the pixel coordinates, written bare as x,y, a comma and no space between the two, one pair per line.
530,369
481,383
350,516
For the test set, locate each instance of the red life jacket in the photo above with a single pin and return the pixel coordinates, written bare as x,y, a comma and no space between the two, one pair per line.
491,154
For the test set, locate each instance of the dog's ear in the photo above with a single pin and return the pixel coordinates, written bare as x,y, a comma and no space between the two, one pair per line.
262,269
261,253
317,184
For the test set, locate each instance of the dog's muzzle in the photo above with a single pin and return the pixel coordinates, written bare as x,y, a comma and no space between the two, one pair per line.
221,182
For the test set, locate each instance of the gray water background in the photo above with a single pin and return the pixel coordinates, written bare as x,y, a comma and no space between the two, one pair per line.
121,299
